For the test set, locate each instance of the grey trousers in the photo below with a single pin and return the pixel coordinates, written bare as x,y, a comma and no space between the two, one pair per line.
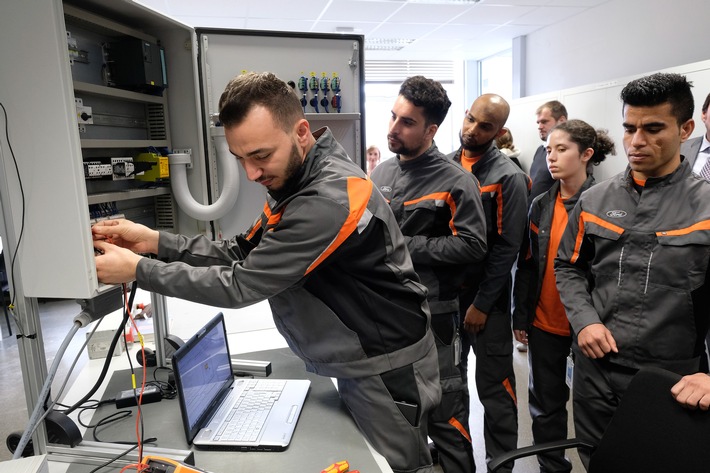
372,404
548,394
448,422
495,382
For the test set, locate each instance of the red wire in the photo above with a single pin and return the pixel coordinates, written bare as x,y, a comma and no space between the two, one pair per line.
138,466
143,380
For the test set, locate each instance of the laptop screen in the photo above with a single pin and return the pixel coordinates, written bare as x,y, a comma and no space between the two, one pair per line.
203,374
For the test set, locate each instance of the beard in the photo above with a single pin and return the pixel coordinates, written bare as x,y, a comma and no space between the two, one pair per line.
398,147
293,169
469,144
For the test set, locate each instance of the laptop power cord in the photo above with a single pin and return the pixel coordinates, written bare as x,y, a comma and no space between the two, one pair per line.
128,397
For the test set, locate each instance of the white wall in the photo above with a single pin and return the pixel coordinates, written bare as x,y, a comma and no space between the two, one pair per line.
599,105
618,38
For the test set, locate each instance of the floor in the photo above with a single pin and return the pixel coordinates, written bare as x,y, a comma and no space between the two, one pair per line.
56,316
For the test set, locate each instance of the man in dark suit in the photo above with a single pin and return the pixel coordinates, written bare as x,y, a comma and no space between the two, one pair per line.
697,150
549,115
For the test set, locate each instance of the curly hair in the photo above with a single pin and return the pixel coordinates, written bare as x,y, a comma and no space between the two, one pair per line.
428,94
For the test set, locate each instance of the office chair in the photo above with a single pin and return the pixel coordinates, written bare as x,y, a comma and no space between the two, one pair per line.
5,292
650,433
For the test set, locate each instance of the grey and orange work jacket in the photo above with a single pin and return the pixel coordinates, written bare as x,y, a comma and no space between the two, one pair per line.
638,262
328,255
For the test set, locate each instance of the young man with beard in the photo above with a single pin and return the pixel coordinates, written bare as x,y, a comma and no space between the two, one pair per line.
438,208
485,301
328,255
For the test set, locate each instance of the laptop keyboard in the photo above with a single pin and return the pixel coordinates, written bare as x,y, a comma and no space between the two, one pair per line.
248,416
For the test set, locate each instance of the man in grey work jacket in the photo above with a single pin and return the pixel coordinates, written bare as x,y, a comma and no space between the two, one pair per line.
485,300
438,207
326,252
633,267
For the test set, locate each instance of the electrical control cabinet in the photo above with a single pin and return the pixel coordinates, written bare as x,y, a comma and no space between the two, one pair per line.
89,85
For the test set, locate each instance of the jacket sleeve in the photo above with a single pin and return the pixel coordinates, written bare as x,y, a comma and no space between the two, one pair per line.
507,240
525,286
212,273
467,243
572,267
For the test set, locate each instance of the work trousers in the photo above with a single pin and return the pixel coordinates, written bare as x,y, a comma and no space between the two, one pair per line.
548,394
448,422
495,379
597,388
372,403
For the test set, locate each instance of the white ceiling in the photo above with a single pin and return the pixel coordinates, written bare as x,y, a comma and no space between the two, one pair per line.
438,29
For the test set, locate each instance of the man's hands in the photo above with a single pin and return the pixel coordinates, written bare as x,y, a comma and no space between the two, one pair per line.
118,241
693,391
475,320
115,265
596,341
126,234
521,336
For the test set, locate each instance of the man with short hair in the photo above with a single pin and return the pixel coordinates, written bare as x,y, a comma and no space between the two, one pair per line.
633,266
486,298
548,115
328,255
697,152
438,207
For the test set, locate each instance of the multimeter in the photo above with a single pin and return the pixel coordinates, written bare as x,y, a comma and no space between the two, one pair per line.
168,465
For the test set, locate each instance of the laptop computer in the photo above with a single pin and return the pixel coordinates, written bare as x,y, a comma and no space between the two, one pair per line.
221,412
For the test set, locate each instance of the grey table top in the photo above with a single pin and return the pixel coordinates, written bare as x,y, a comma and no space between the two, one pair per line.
325,432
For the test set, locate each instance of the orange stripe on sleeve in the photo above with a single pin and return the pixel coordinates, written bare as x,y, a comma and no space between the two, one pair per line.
359,192
578,241
498,190
700,226
257,223
446,197
534,228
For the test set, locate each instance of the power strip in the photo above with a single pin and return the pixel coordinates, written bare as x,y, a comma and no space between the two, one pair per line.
128,398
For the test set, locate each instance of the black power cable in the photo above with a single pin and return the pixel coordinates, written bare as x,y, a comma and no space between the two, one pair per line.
114,341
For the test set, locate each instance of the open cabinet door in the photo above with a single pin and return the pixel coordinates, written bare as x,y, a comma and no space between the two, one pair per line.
327,71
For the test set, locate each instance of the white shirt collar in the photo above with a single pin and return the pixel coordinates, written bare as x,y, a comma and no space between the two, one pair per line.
705,145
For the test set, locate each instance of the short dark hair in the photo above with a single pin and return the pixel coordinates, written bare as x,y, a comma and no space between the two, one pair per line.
428,94
557,109
246,91
660,88
706,103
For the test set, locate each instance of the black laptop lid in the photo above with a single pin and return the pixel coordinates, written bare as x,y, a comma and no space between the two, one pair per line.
203,375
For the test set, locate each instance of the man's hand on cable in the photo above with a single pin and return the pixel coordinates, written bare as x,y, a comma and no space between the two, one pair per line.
115,265
693,391
126,234
117,242
475,320
596,341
